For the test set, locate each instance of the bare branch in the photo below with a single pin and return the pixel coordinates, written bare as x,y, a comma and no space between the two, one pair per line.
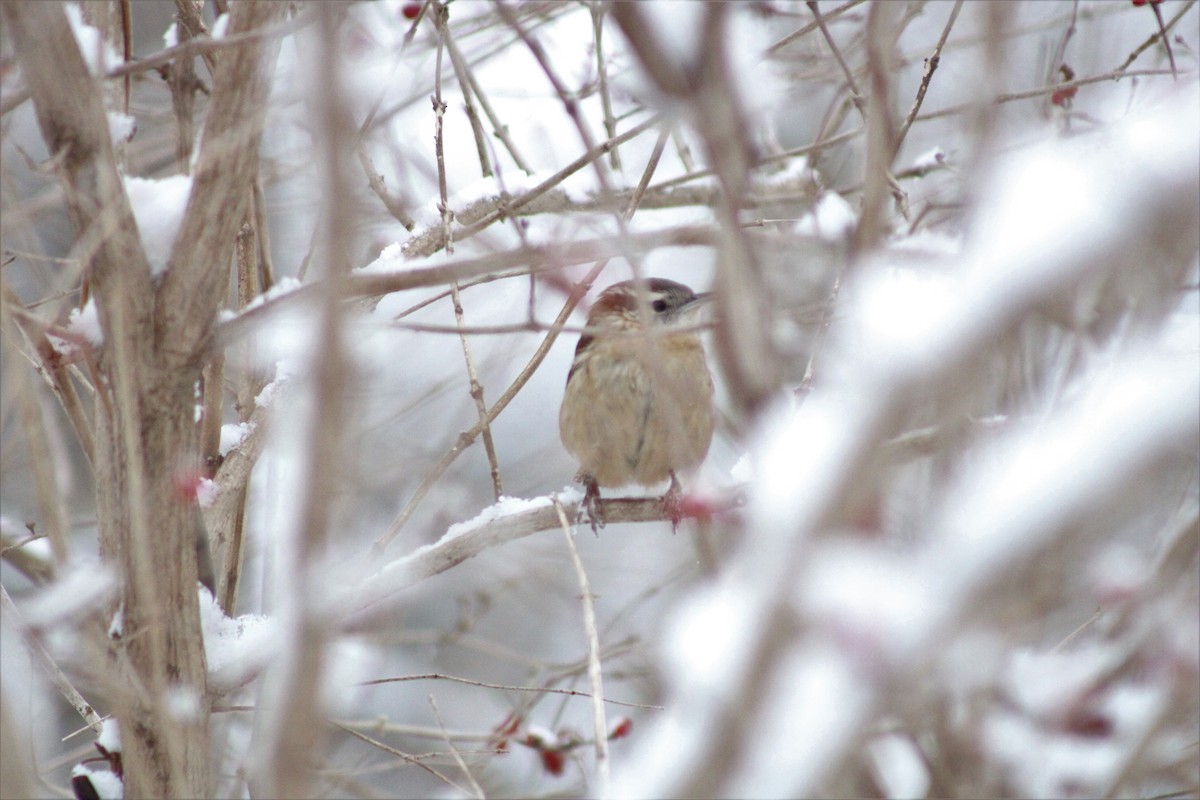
224,179
931,65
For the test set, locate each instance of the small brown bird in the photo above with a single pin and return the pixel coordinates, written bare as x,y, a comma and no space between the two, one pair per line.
638,404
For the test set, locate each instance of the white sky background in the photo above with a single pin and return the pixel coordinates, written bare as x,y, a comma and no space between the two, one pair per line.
864,607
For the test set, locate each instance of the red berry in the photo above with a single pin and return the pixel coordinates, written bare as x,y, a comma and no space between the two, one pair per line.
411,10
186,484
552,761
1062,97
621,729
1090,724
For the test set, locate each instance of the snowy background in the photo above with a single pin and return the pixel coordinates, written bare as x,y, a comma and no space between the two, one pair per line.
952,539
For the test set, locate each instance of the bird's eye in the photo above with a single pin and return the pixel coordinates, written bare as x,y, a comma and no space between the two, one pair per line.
659,306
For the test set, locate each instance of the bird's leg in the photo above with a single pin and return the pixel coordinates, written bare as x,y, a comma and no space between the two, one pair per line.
672,503
591,501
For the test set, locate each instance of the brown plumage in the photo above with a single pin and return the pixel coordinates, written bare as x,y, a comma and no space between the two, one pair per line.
638,403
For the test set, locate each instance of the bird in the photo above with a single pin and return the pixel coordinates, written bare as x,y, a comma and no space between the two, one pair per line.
638,404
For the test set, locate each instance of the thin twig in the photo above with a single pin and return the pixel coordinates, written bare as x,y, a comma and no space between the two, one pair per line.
568,98
266,264
784,156
1008,97
416,762
531,326
1060,54
436,676
639,193
610,125
440,22
684,150
1165,39
859,101
533,259
812,26
381,725
831,121
476,390
570,102
50,366
46,662
376,183
599,721
44,462
203,46
467,81
463,285
1146,45
931,64
819,339
481,145
37,568
439,113
430,241
458,759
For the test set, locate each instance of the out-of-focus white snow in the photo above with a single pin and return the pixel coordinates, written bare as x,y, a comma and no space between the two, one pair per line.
75,593
98,54
116,626
1047,683
784,455
812,702
206,492
283,371
832,218
760,87
232,435
1051,214
902,311
121,127
742,471
867,597
182,702
900,766
107,785
86,323
110,735
507,507
220,27
158,206
677,27
1037,474
350,662
930,159
283,286
234,647
710,630
1119,573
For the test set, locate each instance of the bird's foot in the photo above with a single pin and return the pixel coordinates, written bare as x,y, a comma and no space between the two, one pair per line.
673,503
591,503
